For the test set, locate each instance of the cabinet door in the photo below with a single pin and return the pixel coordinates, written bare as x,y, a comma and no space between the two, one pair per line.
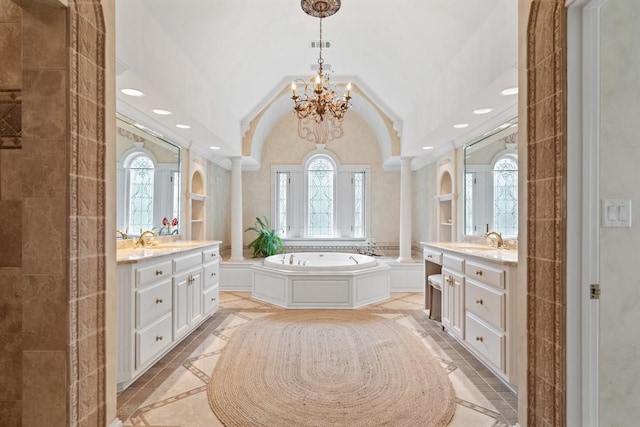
195,297
453,302
181,284
457,317
447,299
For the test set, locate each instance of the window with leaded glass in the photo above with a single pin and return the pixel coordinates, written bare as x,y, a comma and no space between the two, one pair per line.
320,197
141,194
505,196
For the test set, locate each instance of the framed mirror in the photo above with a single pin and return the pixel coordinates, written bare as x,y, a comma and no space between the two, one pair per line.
491,183
148,181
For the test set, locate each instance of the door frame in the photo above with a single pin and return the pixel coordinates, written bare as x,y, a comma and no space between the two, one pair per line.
583,213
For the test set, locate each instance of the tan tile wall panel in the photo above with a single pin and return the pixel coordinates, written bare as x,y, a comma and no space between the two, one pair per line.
546,224
11,284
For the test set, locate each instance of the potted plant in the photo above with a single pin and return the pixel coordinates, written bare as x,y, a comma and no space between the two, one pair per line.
268,242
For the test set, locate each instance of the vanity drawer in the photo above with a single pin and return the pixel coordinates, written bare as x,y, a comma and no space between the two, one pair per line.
211,274
486,341
210,255
485,302
452,262
490,275
432,256
210,299
186,262
152,273
152,302
152,340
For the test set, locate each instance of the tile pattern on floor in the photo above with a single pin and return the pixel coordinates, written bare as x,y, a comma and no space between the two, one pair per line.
173,392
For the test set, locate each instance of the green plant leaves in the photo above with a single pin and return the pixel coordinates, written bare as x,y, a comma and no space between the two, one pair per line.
268,242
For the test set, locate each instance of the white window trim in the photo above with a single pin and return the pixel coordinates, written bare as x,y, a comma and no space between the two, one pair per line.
297,215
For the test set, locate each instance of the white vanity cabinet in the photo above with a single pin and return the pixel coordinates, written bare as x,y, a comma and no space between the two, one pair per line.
161,299
211,280
479,301
453,294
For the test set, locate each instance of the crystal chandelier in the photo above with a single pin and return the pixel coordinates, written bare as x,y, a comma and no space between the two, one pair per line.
319,101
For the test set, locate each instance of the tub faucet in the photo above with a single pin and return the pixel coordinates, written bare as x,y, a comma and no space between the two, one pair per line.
354,260
291,259
494,236
142,240
122,234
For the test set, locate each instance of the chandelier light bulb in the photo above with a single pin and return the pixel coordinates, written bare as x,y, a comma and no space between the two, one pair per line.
293,88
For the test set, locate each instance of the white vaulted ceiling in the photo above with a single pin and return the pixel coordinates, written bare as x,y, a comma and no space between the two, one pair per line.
218,63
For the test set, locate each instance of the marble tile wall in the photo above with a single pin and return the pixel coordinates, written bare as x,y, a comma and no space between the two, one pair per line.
52,200
546,224
11,286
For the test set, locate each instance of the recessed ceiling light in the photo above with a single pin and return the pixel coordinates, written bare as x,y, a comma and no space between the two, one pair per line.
461,125
509,91
161,112
428,147
132,92
181,126
213,147
482,111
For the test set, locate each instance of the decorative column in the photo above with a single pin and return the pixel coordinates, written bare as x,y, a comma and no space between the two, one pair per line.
405,210
236,209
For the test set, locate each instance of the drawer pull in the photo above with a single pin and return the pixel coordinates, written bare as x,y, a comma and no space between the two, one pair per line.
158,272
478,272
429,256
159,300
213,274
213,299
479,301
479,339
158,337
213,255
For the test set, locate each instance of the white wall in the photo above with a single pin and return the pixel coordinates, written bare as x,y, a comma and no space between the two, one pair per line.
620,247
424,205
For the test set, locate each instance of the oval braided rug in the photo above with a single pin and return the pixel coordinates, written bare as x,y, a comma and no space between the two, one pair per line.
328,367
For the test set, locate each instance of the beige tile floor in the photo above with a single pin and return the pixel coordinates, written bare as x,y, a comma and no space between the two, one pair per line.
173,392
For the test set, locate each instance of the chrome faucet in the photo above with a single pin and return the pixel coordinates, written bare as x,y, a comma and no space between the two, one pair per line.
291,259
142,240
122,234
354,260
494,236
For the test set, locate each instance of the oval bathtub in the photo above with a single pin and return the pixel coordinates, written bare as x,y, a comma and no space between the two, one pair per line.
319,261
320,280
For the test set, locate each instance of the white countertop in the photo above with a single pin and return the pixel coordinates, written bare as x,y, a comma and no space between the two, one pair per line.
134,255
502,256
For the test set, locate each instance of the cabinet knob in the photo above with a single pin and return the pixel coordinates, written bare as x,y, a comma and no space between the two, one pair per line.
479,272
479,339
159,300
158,272
213,274
479,301
429,256
158,337
213,299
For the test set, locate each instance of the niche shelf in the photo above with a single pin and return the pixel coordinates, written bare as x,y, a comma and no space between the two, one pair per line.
197,198
446,199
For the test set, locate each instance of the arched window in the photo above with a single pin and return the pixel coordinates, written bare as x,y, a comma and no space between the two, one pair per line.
141,171
505,196
320,197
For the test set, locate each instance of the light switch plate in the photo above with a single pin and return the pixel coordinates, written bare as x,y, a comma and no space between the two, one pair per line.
616,213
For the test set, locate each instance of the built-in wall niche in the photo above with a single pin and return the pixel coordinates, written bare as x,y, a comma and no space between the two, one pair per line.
446,199
197,199
491,183
147,180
